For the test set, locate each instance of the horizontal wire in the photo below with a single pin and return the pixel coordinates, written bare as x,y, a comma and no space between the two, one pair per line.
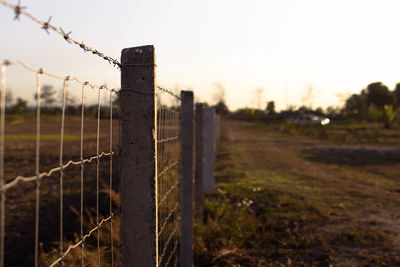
167,193
83,239
18,179
166,91
166,219
46,26
41,71
169,139
167,169
168,240
172,252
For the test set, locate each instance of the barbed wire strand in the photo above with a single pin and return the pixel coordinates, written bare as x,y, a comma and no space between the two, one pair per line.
3,193
46,26
82,172
56,76
83,239
111,178
162,89
97,176
61,168
37,169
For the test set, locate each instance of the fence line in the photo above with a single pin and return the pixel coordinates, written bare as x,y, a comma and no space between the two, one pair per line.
169,163
162,165
47,26
38,176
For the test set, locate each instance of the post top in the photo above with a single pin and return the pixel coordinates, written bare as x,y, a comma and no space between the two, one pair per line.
138,55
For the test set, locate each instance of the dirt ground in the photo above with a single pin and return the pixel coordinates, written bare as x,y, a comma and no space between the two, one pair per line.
308,202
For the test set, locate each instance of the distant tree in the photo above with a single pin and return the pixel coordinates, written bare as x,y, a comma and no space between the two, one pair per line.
9,98
270,107
218,93
319,111
389,114
221,108
356,105
396,96
219,99
20,106
46,95
378,95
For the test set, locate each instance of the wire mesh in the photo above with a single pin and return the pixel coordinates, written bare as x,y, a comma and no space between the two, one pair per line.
168,162
83,138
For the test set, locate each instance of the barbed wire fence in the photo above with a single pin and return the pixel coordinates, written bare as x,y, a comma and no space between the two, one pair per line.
90,180
168,163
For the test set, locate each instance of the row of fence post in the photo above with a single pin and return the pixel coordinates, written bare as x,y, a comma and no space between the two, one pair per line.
199,129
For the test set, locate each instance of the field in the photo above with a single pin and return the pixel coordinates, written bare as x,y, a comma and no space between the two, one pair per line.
291,198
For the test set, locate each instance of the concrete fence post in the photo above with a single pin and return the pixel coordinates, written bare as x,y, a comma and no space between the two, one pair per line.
208,150
198,178
186,182
138,157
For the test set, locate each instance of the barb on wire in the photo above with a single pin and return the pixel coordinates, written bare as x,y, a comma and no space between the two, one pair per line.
84,238
162,89
67,78
47,26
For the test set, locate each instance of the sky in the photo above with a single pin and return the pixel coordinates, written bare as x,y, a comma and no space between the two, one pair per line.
283,47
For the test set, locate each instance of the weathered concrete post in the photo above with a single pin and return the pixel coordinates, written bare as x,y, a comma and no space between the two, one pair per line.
198,178
186,183
208,150
138,157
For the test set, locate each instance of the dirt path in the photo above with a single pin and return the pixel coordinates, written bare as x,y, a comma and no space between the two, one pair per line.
358,187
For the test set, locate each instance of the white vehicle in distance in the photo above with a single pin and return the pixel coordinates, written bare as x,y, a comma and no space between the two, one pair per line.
309,119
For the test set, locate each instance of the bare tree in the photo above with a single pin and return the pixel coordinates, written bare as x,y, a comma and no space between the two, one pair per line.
308,99
218,93
257,97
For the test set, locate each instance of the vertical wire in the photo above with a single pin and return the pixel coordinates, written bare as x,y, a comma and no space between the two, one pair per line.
97,176
61,165
82,170
37,168
3,193
111,178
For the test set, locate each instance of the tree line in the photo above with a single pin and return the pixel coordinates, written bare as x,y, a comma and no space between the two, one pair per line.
51,103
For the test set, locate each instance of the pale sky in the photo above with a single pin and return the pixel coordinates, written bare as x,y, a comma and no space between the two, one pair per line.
338,47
